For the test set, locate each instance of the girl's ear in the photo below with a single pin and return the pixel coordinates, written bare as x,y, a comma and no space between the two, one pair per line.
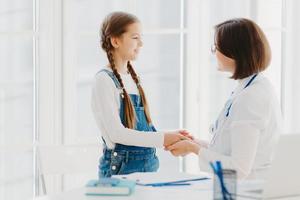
114,42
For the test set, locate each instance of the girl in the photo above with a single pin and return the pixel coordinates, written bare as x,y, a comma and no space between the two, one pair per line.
120,106
246,131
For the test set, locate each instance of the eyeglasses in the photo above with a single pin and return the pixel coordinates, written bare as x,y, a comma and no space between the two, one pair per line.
214,48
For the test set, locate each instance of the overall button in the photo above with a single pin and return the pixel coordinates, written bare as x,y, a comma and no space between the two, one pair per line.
113,167
115,154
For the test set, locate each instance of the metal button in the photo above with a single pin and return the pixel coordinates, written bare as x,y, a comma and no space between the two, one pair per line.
115,153
113,167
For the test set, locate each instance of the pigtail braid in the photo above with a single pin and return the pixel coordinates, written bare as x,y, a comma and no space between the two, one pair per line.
129,112
141,91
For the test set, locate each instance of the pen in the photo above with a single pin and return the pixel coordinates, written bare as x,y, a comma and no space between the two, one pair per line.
174,183
169,184
217,168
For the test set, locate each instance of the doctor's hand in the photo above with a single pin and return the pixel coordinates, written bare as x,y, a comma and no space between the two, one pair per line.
184,147
173,137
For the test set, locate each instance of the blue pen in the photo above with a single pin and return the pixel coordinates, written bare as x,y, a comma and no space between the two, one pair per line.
187,180
220,175
174,183
217,169
213,167
170,184
163,184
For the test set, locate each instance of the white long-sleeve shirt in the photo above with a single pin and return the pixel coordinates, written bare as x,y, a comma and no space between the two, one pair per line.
246,140
106,109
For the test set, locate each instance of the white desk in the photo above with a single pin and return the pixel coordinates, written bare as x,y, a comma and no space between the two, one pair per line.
144,193
141,193
198,190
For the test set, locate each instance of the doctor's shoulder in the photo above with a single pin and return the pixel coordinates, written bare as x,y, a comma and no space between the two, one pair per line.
261,88
257,97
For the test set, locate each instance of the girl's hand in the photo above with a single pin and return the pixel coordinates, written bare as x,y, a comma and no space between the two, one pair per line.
184,147
173,137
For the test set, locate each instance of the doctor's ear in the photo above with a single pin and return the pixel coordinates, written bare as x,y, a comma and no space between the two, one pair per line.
114,42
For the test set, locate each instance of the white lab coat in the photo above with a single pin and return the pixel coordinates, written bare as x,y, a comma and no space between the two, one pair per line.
245,139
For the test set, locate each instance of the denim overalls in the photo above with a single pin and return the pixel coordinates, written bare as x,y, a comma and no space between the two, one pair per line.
125,159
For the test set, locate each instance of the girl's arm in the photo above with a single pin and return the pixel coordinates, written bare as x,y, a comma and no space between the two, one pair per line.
106,112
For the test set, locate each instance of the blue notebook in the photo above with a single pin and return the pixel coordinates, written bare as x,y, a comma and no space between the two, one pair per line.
110,187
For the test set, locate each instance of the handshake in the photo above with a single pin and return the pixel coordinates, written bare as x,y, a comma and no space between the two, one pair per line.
181,143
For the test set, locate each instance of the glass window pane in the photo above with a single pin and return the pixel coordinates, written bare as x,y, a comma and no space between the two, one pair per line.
91,58
159,14
16,91
83,16
271,18
16,174
85,118
89,54
159,67
219,10
274,70
16,58
16,15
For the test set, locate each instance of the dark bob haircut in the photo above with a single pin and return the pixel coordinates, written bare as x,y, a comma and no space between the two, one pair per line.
242,40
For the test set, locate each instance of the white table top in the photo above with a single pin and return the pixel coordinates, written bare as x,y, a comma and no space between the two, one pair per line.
145,193
197,190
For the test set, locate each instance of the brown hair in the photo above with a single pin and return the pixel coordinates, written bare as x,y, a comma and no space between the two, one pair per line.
114,25
242,40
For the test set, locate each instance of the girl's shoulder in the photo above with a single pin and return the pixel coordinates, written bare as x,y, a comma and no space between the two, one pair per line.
104,70
106,77
102,74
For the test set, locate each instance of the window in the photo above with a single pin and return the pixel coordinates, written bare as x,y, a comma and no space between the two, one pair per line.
17,94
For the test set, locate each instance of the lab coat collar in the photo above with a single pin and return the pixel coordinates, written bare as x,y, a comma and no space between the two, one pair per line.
242,83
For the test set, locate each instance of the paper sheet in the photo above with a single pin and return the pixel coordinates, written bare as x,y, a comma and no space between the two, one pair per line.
158,177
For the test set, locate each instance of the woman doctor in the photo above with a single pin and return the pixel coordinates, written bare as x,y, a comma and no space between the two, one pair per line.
246,131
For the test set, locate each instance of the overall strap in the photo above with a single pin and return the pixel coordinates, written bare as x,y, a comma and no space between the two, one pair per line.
113,77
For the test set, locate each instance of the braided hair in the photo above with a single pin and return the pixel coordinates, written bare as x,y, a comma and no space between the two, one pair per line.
115,25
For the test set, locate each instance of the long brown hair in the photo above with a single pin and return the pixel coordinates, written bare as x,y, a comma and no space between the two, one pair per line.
114,25
243,40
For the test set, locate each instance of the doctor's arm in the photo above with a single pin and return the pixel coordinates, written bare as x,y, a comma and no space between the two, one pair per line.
249,116
244,142
247,120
